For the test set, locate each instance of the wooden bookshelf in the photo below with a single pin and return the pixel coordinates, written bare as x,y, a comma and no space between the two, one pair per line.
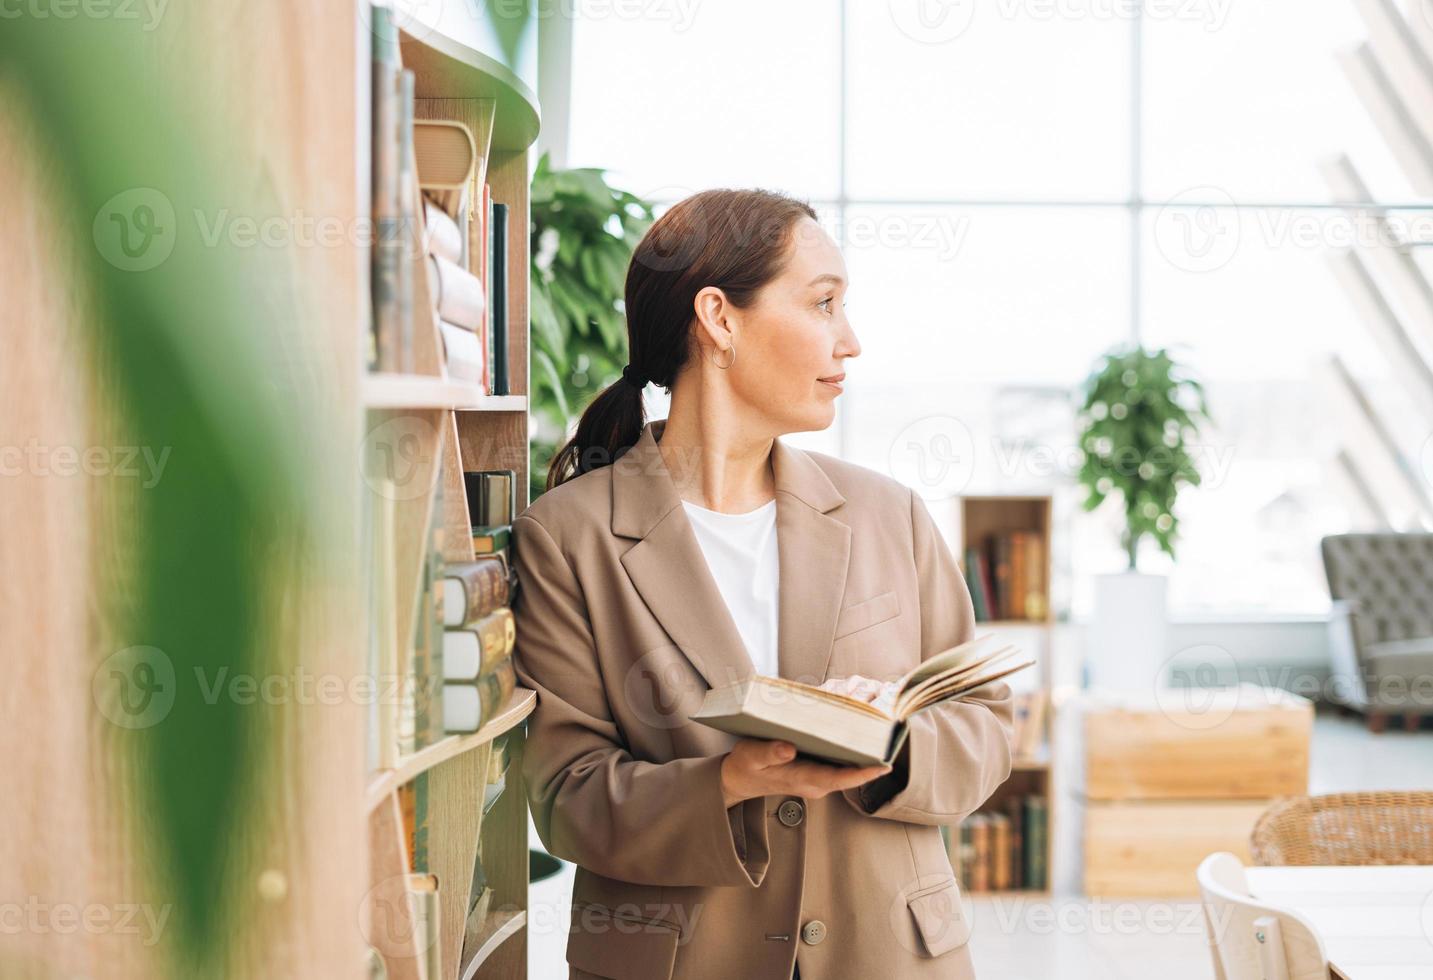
982,518
437,427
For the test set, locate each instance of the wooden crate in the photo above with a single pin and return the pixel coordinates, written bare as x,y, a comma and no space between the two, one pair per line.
1244,742
1151,848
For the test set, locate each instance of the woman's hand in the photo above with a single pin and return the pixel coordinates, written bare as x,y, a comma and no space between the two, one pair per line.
882,694
757,767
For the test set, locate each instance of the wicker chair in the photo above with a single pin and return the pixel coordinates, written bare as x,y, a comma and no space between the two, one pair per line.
1346,828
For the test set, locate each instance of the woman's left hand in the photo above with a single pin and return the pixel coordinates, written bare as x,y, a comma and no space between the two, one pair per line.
862,688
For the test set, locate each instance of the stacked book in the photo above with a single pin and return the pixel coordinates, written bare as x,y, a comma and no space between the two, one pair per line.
477,657
1003,848
1006,576
478,674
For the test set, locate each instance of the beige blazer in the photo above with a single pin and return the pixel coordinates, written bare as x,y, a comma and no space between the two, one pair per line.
620,630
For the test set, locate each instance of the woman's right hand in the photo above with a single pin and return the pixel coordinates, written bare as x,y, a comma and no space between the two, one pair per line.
757,767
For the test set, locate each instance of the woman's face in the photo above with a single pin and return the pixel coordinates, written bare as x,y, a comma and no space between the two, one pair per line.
795,335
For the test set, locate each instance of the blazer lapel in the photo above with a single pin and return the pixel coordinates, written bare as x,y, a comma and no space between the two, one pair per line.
669,571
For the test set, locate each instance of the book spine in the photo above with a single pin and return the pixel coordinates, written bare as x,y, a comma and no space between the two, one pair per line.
459,298
462,353
1035,843
387,222
999,852
499,299
975,585
485,587
1037,602
1017,575
444,238
485,211
408,221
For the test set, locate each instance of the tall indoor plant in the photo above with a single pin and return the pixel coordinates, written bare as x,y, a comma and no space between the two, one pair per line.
583,234
1140,415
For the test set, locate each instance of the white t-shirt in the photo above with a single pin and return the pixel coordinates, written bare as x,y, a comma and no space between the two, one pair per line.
741,552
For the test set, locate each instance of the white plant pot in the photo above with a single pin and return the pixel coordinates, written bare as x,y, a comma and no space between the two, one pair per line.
1125,646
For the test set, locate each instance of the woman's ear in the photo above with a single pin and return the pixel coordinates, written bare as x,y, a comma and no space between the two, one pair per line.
714,317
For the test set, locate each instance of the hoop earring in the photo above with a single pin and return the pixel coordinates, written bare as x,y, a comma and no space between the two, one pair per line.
729,363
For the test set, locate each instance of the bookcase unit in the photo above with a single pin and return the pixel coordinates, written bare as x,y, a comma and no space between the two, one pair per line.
982,518
433,428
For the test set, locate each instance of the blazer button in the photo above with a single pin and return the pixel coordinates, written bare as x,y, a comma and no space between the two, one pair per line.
791,812
813,932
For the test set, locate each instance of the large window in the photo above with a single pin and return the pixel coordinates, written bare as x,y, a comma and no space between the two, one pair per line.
1018,185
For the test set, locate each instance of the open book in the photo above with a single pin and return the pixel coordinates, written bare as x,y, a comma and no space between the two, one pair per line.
841,730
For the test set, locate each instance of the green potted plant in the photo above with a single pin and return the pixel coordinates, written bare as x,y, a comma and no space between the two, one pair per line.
1140,414
583,234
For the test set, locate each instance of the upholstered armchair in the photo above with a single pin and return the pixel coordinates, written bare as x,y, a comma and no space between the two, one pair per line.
1381,629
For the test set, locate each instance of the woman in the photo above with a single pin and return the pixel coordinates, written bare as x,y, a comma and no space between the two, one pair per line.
674,556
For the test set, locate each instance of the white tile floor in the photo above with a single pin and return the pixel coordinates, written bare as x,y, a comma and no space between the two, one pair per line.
1070,937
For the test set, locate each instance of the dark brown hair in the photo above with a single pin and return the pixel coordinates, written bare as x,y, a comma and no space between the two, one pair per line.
736,240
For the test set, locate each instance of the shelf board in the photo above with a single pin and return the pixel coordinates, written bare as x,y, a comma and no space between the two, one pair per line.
499,927
446,66
421,391
519,706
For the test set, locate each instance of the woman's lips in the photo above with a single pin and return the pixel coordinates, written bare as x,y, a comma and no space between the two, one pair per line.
833,382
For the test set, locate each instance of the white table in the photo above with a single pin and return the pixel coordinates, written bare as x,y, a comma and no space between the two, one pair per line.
1376,923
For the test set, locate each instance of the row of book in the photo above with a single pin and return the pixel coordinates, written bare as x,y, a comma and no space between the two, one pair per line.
429,197
1006,574
1005,848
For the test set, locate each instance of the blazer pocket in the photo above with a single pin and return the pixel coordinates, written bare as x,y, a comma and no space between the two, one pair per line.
619,944
867,612
940,917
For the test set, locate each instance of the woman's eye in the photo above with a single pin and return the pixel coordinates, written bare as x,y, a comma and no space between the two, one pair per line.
825,304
